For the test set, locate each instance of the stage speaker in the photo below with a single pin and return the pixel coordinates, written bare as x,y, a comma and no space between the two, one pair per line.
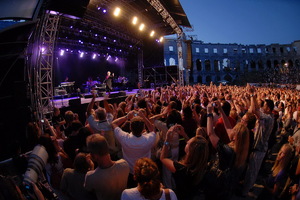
114,95
101,94
122,93
189,54
75,102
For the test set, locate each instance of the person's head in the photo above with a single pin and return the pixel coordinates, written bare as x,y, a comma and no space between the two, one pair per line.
240,141
56,111
69,116
249,120
108,73
283,158
81,163
147,176
100,114
226,107
97,146
173,118
173,105
122,105
142,103
187,111
196,157
137,125
268,106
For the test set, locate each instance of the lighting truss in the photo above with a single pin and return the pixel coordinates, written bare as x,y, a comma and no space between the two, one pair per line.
165,15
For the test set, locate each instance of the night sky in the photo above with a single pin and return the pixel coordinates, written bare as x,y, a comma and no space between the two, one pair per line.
244,21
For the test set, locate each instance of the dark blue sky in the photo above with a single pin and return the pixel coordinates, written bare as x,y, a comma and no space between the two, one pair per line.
244,21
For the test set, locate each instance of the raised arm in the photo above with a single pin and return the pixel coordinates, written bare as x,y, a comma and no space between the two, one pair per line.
90,106
214,139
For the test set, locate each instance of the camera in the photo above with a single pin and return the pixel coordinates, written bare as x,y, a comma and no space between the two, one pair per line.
36,163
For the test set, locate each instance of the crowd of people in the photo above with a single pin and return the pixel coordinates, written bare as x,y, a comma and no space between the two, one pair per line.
177,142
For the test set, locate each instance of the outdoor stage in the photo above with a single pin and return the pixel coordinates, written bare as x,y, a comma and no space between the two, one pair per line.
65,101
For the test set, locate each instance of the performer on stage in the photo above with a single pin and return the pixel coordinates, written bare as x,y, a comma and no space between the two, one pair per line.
108,81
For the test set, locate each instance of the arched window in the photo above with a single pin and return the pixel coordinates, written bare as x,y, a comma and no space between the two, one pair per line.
199,79
208,79
207,65
216,66
172,61
199,64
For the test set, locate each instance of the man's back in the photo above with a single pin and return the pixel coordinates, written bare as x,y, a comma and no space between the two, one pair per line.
110,182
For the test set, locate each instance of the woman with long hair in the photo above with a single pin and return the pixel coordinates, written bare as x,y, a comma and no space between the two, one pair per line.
189,171
147,176
230,158
280,170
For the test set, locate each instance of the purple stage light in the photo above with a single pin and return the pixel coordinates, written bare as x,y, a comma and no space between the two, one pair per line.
104,10
94,56
62,52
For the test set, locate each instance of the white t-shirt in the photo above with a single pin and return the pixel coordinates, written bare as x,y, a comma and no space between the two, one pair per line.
98,126
134,147
134,194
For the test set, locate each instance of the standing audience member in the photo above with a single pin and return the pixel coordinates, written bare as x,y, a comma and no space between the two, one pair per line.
146,174
138,143
230,160
73,179
262,134
276,181
109,179
188,172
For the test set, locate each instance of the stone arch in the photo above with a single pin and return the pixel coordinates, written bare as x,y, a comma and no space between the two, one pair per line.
208,79
276,63
207,65
216,66
253,64
228,78
199,79
172,61
291,64
260,64
199,65
269,64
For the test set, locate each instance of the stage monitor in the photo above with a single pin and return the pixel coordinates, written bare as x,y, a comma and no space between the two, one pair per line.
20,9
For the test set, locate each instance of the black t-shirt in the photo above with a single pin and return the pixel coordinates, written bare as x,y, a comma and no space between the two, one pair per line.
185,189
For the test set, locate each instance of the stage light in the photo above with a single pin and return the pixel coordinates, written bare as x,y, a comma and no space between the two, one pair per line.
94,56
134,20
62,52
104,10
96,35
81,54
108,57
152,33
161,39
43,49
104,38
71,26
114,40
116,59
117,11
99,8
142,26
80,31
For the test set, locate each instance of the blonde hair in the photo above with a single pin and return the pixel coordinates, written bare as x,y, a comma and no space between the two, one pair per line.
241,144
196,158
282,164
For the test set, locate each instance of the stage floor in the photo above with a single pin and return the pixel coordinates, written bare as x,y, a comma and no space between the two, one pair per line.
64,102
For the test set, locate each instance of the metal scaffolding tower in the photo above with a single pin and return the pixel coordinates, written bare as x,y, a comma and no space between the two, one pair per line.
41,64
